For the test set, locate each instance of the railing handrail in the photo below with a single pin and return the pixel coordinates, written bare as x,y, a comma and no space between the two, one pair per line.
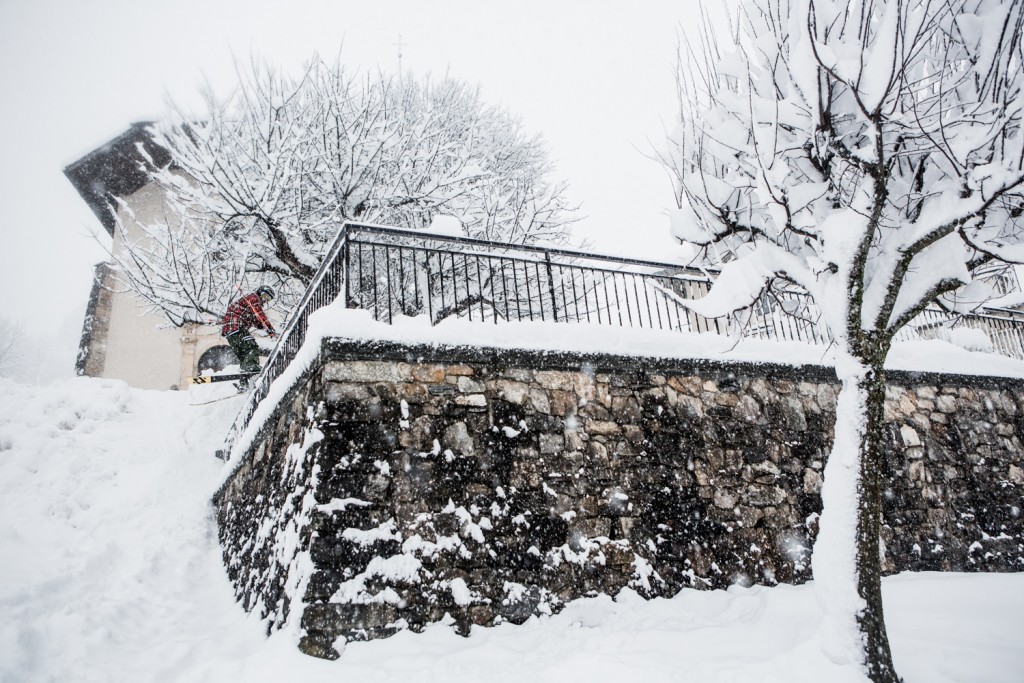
507,246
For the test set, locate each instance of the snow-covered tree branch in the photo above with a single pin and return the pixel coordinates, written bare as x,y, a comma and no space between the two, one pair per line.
871,153
260,182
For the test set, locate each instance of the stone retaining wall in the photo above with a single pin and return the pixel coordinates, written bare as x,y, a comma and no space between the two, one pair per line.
397,485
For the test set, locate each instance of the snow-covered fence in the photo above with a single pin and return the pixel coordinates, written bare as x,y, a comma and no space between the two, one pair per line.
398,272
392,272
998,330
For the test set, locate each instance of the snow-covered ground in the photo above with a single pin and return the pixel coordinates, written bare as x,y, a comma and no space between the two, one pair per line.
111,571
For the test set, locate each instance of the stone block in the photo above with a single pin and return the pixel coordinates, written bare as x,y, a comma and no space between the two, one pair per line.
513,392
591,527
725,499
690,407
910,436
703,472
377,487
433,374
517,374
412,393
760,389
595,411
479,490
366,371
343,391
467,385
946,404
626,409
763,494
441,389
599,427
540,402
557,379
481,615
690,386
575,440
793,414
339,618
457,438
812,481
460,371
551,444
618,554
783,386
318,645
726,399
598,453
634,436
827,395
747,409
765,472
563,403
471,400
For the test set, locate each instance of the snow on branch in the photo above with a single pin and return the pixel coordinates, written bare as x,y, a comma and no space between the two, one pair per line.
260,181
856,137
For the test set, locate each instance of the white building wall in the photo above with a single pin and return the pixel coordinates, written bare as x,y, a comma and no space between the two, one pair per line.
142,348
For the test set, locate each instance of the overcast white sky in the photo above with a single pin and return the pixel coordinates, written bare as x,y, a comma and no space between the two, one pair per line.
594,78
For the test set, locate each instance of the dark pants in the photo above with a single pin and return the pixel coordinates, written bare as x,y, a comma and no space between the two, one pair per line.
246,349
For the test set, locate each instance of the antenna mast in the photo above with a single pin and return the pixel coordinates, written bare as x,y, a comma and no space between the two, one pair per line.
400,44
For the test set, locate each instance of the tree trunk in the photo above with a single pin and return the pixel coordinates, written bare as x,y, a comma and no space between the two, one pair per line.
846,559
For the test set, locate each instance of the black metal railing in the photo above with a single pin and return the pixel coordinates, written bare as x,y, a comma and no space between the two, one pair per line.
395,272
392,272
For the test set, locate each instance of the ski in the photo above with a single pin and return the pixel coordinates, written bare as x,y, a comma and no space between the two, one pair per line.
214,400
207,379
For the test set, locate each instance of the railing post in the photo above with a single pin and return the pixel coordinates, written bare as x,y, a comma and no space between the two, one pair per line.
551,286
346,270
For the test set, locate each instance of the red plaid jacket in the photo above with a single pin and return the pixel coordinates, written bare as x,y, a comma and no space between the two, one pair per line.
245,313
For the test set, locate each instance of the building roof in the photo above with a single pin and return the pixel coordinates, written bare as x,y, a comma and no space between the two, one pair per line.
117,169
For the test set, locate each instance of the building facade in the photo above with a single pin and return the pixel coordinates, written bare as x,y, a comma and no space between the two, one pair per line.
121,339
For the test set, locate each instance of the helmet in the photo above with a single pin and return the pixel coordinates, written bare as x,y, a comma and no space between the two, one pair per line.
264,290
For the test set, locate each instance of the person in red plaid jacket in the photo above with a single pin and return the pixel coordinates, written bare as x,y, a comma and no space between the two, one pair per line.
243,314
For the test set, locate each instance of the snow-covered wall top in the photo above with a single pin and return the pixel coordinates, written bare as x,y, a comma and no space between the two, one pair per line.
400,483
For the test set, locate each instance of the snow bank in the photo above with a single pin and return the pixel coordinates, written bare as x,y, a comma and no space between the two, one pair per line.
111,572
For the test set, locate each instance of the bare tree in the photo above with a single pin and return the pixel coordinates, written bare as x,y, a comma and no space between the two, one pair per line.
259,183
872,154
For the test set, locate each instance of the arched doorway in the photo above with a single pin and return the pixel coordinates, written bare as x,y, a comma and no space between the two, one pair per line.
216,358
